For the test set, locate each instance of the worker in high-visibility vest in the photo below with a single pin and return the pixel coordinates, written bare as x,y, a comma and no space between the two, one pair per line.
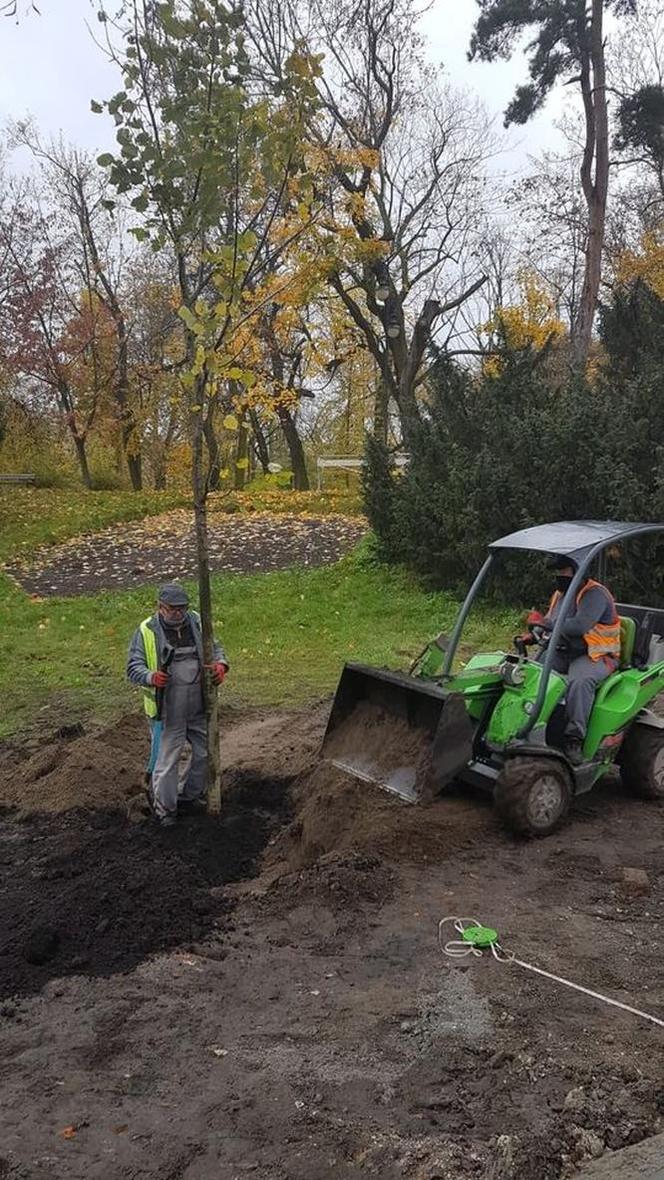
166,660
589,648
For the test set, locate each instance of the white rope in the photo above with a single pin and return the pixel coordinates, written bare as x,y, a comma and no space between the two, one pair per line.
459,948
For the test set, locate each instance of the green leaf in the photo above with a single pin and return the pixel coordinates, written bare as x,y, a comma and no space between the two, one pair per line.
105,160
242,464
139,233
116,101
97,107
187,316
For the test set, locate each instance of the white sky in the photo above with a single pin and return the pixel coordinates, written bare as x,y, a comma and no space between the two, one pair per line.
51,69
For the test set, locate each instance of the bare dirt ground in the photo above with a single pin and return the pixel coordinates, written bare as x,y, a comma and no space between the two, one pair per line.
264,995
164,548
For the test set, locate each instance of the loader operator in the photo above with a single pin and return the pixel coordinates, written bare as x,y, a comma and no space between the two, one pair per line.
166,660
589,650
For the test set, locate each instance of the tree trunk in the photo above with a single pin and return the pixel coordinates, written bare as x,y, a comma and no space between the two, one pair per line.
593,89
214,453
163,452
380,420
67,406
109,298
261,442
242,455
295,450
135,468
128,426
79,444
199,486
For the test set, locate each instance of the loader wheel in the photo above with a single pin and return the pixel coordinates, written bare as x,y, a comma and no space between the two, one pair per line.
642,762
532,795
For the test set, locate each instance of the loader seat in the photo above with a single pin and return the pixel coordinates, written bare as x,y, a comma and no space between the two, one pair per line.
627,640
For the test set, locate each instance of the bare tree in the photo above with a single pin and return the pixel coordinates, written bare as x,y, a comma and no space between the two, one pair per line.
548,208
569,45
402,160
636,70
45,332
79,189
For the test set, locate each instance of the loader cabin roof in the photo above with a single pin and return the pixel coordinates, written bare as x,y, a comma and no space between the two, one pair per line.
575,538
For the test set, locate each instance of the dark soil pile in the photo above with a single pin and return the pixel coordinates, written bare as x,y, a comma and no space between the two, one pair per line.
96,895
339,880
335,813
99,771
103,770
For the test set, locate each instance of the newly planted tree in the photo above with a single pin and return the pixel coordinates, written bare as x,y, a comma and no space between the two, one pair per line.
204,159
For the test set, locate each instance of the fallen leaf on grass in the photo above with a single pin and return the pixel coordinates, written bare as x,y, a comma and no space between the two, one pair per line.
67,1133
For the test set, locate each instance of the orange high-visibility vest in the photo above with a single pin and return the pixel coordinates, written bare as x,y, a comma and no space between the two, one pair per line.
604,638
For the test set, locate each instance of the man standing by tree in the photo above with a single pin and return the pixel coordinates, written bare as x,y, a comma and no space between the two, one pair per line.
166,660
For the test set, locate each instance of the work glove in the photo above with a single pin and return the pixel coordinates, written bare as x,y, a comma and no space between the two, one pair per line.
159,679
527,639
536,619
218,670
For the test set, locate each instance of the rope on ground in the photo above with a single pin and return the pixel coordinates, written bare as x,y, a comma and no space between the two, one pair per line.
475,939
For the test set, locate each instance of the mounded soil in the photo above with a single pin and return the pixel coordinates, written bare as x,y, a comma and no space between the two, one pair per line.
263,994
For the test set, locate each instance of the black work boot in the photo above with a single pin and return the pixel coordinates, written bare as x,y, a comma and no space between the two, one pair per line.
193,806
574,751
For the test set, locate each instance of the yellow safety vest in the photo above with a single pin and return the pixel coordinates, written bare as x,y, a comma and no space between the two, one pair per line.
152,661
604,638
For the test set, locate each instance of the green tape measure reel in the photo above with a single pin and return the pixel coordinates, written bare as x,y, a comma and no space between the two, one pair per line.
480,935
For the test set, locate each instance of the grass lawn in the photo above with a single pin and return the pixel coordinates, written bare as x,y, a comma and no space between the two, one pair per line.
287,634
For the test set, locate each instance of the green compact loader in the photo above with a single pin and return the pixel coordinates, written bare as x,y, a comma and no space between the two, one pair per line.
498,722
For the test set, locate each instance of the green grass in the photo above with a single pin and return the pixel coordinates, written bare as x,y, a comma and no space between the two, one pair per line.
43,516
286,634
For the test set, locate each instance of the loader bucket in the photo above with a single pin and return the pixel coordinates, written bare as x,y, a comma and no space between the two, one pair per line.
407,736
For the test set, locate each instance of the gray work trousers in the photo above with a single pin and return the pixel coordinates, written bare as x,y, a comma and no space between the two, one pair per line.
583,677
183,724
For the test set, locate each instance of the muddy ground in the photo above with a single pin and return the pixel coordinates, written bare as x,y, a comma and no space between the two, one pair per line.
265,995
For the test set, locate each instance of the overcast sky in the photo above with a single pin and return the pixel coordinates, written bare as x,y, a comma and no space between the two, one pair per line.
50,69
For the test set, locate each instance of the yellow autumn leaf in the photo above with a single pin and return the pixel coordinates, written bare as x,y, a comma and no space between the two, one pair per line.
230,422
